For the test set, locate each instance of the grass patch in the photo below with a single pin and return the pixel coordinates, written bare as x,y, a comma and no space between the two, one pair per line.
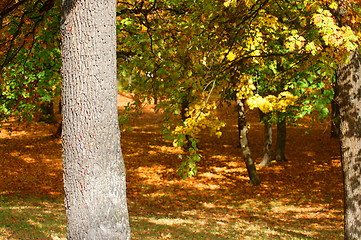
31,218
150,228
44,218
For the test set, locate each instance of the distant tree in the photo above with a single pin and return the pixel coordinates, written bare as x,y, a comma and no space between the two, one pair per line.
94,172
267,140
244,143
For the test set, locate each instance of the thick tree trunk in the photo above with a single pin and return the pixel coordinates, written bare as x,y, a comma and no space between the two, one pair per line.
267,144
281,141
94,172
349,99
243,140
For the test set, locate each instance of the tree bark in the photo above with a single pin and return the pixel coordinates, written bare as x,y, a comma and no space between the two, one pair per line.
185,102
47,112
281,140
243,140
267,144
335,114
94,172
349,99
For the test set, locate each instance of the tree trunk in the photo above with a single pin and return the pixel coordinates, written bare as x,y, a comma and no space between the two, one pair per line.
58,131
335,115
281,141
47,112
94,172
349,99
243,140
183,111
267,145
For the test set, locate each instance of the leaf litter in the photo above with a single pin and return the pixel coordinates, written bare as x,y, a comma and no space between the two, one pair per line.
299,199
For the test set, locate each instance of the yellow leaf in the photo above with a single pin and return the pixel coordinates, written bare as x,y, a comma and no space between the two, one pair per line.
333,5
231,56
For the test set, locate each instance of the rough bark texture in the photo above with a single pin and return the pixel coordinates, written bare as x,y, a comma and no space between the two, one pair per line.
267,145
94,172
281,141
243,140
349,99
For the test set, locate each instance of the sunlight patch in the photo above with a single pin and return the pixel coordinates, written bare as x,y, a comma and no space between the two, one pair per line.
211,175
29,160
35,224
202,186
4,233
170,221
169,150
15,154
209,205
233,164
219,169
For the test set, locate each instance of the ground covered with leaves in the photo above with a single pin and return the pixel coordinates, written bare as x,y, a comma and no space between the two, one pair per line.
299,199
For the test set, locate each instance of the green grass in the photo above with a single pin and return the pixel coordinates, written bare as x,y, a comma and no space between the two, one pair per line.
44,218
149,228
31,218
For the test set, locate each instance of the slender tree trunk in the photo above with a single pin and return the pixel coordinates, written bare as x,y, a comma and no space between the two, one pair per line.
183,111
243,140
267,145
184,108
349,99
58,131
47,112
94,172
281,141
335,115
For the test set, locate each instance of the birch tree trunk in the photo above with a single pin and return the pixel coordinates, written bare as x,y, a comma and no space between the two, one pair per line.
94,172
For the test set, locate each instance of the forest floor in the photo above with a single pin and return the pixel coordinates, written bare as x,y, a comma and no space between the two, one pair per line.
299,199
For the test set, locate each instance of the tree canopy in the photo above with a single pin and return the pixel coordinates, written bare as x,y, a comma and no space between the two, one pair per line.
30,56
190,56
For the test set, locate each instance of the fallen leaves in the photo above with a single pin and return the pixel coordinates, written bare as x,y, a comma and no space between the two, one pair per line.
302,197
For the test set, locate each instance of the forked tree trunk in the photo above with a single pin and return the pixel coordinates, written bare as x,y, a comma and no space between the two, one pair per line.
94,172
281,141
349,99
267,142
243,140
